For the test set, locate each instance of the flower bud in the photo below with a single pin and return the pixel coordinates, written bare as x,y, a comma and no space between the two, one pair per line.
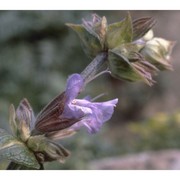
24,119
97,26
92,34
148,36
126,63
157,51
49,119
142,26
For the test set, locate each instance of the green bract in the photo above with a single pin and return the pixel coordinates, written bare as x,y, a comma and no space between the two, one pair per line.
134,70
90,42
47,150
120,33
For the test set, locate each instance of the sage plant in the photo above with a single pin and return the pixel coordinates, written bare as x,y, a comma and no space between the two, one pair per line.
127,50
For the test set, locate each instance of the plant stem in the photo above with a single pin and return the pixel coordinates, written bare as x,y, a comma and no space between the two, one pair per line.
92,69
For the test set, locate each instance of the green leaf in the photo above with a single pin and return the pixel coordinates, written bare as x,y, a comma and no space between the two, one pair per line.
119,33
121,68
16,151
90,42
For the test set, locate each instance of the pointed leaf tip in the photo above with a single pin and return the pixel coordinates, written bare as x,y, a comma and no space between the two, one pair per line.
120,32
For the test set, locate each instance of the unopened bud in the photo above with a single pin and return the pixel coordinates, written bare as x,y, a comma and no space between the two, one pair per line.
25,119
157,51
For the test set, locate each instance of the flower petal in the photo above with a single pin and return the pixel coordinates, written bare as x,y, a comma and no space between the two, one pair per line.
74,86
101,112
77,109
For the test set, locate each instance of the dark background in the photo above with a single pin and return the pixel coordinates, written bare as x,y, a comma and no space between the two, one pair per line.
38,52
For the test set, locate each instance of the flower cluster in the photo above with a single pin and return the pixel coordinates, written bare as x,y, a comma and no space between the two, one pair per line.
133,52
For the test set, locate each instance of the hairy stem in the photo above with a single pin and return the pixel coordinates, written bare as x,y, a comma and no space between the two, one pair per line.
92,69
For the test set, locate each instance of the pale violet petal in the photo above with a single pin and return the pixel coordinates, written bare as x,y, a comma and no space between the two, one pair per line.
74,85
101,112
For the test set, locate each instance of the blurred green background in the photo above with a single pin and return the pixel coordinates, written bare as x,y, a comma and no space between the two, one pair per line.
38,52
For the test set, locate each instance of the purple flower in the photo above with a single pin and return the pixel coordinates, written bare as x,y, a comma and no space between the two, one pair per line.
67,112
91,114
